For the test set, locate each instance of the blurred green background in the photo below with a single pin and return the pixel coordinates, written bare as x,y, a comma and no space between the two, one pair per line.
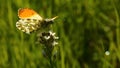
88,29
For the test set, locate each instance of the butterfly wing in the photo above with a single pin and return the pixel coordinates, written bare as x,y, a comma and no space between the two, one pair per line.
28,25
29,20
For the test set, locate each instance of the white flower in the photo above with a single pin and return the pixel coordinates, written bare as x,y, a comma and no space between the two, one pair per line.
54,43
107,53
47,37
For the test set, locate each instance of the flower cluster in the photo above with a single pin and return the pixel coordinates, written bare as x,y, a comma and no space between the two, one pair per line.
48,38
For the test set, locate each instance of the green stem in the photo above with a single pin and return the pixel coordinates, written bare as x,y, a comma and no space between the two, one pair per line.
51,63
49,53
117,24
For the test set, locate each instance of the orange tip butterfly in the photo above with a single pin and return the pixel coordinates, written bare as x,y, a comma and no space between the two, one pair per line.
31,21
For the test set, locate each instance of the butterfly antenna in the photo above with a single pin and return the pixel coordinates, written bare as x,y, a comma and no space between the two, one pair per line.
54,18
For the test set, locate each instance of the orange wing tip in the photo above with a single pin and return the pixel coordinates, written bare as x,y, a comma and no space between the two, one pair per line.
24,13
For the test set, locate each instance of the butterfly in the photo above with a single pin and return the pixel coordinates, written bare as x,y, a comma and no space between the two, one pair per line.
31,21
